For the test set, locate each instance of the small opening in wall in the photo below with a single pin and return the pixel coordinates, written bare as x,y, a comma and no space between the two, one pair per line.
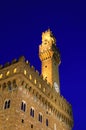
31,125
30,88
45,43
46,77
25,72
46,66
8,72
46,112
22,120
30,77
1,75
55,100
35,81
14,71
46,122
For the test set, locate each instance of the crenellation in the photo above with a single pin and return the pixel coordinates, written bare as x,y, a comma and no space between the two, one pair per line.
23,88
37,72
14,61
27,62
61,99
21,59
7,64
33,68
41,76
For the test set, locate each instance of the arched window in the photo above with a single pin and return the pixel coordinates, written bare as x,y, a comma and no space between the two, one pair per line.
7,104
40,117
46,122
32,112
23,106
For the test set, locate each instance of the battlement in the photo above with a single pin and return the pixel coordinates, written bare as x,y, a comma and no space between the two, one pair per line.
21,66
31,98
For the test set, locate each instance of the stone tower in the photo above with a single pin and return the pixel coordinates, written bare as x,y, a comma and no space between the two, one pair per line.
50,57
32,101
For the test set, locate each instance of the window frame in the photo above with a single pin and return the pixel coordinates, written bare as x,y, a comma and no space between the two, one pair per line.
40,117
7,103
32,112
23,106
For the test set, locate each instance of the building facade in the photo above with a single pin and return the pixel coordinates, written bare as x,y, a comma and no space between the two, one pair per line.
32,101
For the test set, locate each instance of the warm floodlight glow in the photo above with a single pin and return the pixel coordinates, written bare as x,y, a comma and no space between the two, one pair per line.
35,81
1,75
30,77
15,70
25,72
47,37
39,85
8,72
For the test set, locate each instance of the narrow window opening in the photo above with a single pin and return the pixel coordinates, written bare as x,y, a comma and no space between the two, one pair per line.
46,122
39,117
24,107
22,120
46,77
31,125
5,105
33,113
30,89
46,66
9,104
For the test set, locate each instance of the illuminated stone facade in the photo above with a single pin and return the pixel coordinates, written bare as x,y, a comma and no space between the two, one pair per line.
31,101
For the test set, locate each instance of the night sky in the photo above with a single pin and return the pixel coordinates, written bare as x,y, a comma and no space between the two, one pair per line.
21,26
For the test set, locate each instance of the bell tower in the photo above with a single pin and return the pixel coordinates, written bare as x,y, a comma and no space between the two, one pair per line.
50,58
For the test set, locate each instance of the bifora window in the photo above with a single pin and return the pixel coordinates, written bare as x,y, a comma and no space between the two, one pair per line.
40,117
7,104
32,112
23,106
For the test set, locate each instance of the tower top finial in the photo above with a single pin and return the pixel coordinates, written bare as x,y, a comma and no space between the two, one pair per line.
47,36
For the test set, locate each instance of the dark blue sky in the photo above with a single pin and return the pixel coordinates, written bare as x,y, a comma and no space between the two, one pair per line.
21,25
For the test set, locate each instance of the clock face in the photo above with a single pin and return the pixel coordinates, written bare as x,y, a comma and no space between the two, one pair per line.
56,87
